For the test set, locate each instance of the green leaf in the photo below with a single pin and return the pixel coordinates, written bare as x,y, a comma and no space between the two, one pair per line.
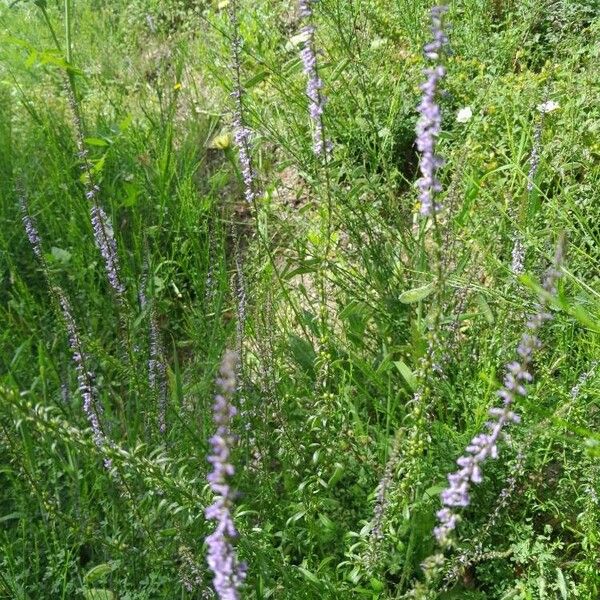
310,576
337,475
11,516
98,572
416,294
133,193
99,165
326,521
98,594
562,584
60,255
376,584
258,78
94,141
485,309
302,352
407,374
296,517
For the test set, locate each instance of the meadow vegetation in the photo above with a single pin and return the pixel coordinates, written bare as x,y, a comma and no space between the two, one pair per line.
214,243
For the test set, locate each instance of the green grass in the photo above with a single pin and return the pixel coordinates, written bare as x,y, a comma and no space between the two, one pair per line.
334,335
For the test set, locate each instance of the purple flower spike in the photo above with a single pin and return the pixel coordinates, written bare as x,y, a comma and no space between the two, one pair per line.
242,135
228,573
157,372
534,157
32,233
429,124
103,231
518,256
106,243
314,84
85,377
485,445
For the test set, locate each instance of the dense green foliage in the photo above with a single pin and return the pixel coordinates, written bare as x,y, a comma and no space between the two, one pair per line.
344,290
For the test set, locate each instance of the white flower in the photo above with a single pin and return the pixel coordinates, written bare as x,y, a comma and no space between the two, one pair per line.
549,106
464,114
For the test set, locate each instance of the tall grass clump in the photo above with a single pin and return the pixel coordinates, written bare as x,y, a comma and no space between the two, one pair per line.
362,200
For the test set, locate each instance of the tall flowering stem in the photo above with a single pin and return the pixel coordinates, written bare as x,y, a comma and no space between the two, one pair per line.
429,124
485,445
241,133
85,377
32,233
157,370
228,572
467,556
412,452
534,157
241,306
517,265
381,500
102,228
518,251
314,83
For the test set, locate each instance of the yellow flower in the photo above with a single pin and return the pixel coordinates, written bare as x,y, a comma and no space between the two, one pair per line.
221,141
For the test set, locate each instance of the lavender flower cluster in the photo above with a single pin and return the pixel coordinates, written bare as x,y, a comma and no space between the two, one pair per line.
241,309
485,445
583,379
85,377
31,231
314,84
242,135
103,232
157,372
517,265
534,158
106,243
429,124
381,499
228,572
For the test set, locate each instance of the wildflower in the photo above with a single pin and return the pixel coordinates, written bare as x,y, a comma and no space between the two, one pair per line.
241,306
150,23
518,257
190,573
429,124
469,557
548,106
314,83
157,372
534,157
85,377
381,498
485,445
31,230
241,133
464,114
228,573
576,389
103,231
106,243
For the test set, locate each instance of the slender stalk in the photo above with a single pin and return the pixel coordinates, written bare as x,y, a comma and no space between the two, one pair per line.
68,30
